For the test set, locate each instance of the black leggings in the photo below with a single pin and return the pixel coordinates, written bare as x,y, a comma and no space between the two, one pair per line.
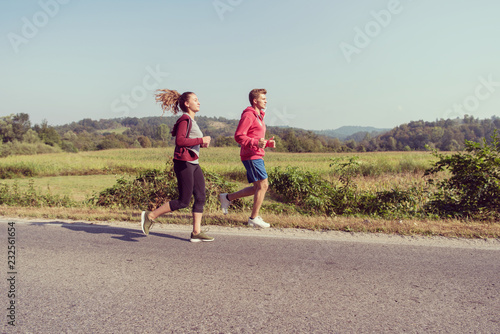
190,181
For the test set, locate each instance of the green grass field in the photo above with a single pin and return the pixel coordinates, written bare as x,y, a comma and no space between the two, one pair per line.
78,175
218,159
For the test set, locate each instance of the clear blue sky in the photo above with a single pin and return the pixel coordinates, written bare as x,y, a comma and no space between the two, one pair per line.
324,63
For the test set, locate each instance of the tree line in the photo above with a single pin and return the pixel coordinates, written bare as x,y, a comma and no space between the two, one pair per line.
19,136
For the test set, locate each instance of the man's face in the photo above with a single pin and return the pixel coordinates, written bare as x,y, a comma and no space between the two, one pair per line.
261,102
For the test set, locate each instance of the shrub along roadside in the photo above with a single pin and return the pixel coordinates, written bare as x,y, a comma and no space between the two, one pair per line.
153,187
299,191
473,190
313,195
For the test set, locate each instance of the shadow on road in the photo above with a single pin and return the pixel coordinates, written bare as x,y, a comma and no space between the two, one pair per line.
120,233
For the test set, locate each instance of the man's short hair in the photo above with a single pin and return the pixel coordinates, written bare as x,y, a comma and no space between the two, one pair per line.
254,94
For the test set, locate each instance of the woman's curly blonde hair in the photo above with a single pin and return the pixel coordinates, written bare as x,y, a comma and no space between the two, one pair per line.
171,100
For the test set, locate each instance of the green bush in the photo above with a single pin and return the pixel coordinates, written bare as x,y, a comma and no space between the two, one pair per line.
23,148
17,170
311,194
147,191
394,203
307,190
473,189
68,146
152,188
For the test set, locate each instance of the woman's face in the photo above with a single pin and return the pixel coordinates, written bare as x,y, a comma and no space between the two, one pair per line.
192,103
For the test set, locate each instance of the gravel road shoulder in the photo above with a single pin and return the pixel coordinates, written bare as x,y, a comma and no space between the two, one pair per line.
291,233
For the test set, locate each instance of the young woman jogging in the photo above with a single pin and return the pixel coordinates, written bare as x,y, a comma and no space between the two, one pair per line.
190,179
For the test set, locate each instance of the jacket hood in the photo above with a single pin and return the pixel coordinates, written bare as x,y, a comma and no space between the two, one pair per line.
180,119
253,111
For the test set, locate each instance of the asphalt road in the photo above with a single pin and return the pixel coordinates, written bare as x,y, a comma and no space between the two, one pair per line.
87,278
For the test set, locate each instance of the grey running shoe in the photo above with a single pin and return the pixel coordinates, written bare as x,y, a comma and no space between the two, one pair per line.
224,203
200,237
146,223
257,221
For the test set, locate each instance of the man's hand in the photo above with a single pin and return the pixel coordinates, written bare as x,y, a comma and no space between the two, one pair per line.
262,143
267,143
271,143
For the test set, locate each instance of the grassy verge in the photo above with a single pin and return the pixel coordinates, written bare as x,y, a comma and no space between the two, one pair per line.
445,228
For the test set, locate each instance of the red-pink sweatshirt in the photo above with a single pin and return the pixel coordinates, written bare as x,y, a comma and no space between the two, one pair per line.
250,129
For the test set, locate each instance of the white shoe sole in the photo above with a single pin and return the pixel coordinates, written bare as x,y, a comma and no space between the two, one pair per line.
143,220
257,225
200,240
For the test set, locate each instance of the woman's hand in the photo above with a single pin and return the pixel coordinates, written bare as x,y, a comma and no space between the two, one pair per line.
206,141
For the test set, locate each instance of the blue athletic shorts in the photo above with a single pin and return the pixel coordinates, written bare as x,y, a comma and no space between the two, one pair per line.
256,170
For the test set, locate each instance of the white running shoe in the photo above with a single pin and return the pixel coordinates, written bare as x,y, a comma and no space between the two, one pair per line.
224,203
257,221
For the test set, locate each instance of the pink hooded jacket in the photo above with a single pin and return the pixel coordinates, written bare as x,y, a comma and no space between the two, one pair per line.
182,141
250,129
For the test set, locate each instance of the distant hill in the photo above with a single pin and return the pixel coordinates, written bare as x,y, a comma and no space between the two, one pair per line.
132,132
345,132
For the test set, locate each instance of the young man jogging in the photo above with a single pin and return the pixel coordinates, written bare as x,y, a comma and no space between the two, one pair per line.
250,134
